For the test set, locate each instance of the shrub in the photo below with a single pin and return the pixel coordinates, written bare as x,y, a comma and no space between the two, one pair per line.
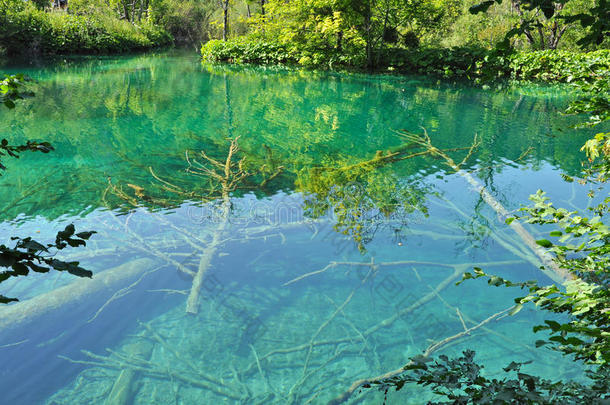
560,66
25,29
474,63
263,50
247,50
470,62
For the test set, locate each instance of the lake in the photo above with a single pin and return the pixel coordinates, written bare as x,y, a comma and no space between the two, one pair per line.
270,235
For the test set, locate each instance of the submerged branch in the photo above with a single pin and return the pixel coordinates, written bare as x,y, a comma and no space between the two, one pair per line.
555,272
427,353
375,265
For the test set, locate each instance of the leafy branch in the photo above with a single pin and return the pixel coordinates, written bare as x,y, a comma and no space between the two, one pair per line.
11,89
460,381
29,255
13,151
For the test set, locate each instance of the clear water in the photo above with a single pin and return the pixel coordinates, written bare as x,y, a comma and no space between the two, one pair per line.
121,128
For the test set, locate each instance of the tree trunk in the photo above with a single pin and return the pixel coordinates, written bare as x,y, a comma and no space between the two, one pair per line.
367,27
126,10
528,34
556,31
225,26
263,16
133,10
556,37
71,297
383,34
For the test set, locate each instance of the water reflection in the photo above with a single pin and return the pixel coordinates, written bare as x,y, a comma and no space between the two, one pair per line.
260,238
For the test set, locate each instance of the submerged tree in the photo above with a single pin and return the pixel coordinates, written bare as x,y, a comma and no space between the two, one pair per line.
212,180
579,247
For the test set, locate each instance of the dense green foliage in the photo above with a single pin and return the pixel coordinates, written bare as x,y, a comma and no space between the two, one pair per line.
468,62
187,21
24,28
411,36
96,26
543,22
561,66
371,33
242,50
461,381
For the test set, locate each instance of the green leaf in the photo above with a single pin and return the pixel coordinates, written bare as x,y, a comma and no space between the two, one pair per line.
6,300
78,271
20,268
538,328
75,242
66,233
544,243
555,326
496,281
420,359
6,260
548,9
512,366
85,235
38,269
35,246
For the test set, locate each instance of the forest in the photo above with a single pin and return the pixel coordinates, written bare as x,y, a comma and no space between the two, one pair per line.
346,201
358,33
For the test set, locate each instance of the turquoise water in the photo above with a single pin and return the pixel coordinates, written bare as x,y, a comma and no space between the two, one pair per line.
305,193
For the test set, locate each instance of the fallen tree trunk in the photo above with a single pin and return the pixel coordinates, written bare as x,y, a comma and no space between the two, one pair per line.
123,388
227,181
192,302
550,267
15,315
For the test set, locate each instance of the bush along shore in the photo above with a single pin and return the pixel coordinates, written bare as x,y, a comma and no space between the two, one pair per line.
26,29
475,63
